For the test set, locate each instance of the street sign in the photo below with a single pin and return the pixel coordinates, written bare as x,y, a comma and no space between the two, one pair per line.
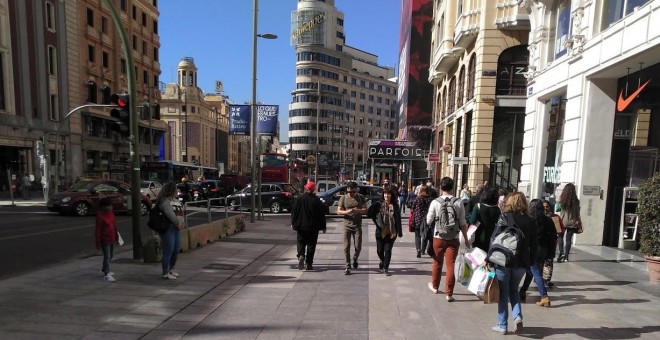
311,160
434,157
460,160
395,150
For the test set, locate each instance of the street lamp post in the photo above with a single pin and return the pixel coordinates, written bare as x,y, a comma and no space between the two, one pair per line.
253,106
318,114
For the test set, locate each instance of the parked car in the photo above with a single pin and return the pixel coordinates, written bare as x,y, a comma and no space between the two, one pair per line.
233,183
275,197
331,197
83,198
150,189
324,185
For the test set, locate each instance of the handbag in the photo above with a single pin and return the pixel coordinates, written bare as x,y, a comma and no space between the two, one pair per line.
578,227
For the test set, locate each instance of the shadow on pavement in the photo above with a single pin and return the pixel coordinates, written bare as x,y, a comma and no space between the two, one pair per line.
589,333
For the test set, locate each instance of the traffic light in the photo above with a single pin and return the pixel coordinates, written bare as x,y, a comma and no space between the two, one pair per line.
122,113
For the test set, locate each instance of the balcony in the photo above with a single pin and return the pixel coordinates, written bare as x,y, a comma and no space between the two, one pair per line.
467,28
444,58
510,16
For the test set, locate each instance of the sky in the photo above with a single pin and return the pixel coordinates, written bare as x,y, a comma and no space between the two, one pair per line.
217,34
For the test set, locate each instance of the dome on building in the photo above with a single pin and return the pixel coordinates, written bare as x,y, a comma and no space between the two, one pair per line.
187,63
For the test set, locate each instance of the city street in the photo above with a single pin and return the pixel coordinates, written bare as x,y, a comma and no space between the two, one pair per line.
247,286
32,238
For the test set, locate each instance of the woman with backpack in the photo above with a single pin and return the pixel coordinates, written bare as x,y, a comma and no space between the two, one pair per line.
570,216
547,236
419,209
514,219
387,218
171,237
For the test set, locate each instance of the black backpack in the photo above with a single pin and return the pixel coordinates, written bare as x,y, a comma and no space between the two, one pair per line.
158,221
504,250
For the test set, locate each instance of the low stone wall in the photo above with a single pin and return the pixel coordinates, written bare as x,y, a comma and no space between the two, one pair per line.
202,234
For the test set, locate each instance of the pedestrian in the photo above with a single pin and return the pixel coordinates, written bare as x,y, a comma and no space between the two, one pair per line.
387,219
445,240
351,207
466,195
502,197
547,236
485,215
419,209
515,207
548,264
570,216
403,197
432,191
106,235
26,182
307,219
171,238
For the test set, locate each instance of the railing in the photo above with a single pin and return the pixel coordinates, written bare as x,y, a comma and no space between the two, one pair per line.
208,204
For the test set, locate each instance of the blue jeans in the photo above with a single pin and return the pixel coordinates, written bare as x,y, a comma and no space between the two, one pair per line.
536,271
171,243
509,279
108,251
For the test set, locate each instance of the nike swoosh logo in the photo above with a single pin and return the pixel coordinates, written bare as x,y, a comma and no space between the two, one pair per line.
622,104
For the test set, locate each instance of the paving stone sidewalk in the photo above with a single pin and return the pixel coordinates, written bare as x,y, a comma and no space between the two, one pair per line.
248,287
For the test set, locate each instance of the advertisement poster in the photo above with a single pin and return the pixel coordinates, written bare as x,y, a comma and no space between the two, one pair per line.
239,119
267,120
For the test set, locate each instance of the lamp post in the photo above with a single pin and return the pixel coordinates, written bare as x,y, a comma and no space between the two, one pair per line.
253,107
318,114
185,131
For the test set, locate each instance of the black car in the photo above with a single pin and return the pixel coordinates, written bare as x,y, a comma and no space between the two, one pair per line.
331,197
213,188
275,197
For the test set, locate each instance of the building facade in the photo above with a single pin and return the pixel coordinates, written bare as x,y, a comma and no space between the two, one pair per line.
342,99
479,60
198,123
97,69
591,113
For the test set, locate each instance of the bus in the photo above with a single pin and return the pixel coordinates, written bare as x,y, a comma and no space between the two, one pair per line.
173,171
274,169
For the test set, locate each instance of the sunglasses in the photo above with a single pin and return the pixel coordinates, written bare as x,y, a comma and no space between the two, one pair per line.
351,191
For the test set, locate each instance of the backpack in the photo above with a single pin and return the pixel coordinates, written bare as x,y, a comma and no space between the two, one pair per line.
158,222
447,226
503,251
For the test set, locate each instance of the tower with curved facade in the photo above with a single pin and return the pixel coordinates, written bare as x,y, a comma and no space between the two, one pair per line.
342,99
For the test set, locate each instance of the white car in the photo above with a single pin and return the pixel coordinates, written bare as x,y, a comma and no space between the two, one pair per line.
150,189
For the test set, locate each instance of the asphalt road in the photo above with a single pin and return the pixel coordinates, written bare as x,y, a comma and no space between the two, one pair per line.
32,237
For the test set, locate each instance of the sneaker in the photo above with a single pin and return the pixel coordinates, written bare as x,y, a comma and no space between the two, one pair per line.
301,262
355,264
347,271
419,254
517,325
434,290
308,266
499,329
381,265
108,277
175,274
450,298
387,273
168,276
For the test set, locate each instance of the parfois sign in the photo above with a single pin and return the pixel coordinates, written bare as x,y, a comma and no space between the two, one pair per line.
395,150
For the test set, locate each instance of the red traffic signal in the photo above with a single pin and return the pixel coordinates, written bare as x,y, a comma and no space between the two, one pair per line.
121,113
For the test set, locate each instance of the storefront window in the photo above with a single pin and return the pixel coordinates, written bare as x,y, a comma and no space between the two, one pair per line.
552,169
614,10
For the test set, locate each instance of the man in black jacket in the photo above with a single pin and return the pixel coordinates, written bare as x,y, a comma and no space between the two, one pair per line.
307,218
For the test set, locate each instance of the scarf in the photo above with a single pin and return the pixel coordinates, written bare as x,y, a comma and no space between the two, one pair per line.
387,215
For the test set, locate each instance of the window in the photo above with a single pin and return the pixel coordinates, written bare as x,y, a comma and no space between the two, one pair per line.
52,107
52,61
90,17
106,59
461,87
122,5
134,42
371,109
50,16
340,22
339,48
387,101
123,67
560,23
134,12
156,26
369,122
472,66
378,123
156,53
353,94
379,100
613,10
378,111
90,53
361,108
145,77
362,95
144,47
104,25
144,19
363,83
371,97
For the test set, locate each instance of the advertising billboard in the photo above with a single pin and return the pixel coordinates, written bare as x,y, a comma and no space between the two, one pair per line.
267,119
239,119
307,27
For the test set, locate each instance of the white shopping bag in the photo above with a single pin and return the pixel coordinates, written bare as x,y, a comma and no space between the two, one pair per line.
120,240
476,257
479,281
471,231
462,270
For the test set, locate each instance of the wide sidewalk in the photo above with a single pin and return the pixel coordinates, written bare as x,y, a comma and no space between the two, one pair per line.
248,287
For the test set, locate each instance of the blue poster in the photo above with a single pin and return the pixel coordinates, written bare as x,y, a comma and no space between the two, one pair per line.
267,119
239,120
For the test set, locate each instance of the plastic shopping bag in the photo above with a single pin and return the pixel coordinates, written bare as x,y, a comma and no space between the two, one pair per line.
476,257
462,271
479,281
